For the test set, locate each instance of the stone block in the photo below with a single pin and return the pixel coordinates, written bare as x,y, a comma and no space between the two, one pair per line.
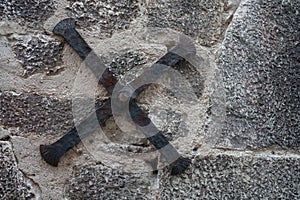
258,79
235,176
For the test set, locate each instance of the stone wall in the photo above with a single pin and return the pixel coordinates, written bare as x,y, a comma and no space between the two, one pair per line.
242,135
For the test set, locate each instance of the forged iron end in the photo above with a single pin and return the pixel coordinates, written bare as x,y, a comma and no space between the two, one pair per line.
62,26
179,165
51,154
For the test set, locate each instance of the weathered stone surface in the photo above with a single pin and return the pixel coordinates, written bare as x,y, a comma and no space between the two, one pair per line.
201,19
13,184
45,113
104,17
50,180
40,53
12,79
33,112
30,13
260,43
241,176
259,70
100,182
122,63
8,28
195,77
4,134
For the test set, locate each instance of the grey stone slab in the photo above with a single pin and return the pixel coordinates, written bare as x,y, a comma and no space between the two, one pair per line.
123,62
13,184
39,53
103,17
242,176
258,78
30,13
32,112
200,19
100,182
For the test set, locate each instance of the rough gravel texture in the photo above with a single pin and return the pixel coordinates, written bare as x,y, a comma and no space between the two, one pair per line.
259,67
201,19
100,182
13,184
104,17
35,113
30,13
122,63
40,53
235,177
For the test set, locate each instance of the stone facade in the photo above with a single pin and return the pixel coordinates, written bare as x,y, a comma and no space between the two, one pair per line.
242,133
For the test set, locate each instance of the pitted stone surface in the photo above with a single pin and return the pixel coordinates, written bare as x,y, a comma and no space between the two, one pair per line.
259,66
33,112
13,184
201,19
104,17
124,63
195,78
235,177
100,182
172,121
40,53
26,12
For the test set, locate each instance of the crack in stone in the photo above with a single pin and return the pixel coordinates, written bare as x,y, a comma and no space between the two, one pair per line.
34,187
25,188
